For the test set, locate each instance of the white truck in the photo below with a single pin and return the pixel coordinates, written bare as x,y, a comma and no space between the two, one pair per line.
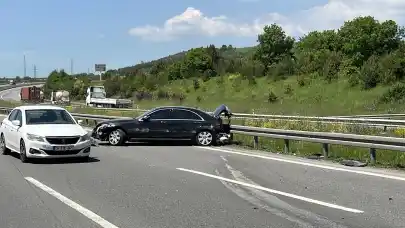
60,97
96,97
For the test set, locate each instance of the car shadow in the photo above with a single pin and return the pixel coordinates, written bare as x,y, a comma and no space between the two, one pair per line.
57,160
154,143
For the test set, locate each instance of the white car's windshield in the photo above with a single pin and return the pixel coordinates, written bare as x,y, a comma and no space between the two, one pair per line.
48,116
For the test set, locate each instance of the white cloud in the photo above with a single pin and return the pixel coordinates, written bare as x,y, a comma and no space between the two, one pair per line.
194,22
328,16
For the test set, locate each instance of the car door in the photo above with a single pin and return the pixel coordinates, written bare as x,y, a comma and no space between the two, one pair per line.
7,126
183,123
156,127
15,132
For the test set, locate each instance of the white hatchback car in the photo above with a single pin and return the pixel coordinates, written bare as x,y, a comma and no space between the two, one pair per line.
43,132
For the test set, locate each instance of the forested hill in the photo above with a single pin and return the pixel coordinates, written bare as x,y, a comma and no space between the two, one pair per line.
226,51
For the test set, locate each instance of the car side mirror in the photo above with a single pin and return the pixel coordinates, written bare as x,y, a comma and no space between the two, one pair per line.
80,122
16,123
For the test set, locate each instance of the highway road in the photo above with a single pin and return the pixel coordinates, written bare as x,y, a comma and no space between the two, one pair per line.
184,186
12,94
159,186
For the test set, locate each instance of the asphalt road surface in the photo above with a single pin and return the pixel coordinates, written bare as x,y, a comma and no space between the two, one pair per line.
12,94
156,186
180,186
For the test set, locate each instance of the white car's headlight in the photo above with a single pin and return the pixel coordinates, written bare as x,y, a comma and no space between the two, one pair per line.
37,138
84,138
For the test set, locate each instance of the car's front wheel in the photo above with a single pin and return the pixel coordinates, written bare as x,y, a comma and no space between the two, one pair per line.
23,152
116,137
204,138
3,148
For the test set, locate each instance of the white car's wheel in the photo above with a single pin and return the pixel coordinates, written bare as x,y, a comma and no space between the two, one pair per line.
116,137
204,138
3,148
23,152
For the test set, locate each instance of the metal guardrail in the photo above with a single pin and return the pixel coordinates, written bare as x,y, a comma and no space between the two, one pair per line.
367,120
385,116
325,138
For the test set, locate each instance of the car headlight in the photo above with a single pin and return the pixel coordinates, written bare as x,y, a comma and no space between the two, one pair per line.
84,138
37,138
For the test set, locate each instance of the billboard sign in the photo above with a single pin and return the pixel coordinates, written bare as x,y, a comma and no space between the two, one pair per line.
100,67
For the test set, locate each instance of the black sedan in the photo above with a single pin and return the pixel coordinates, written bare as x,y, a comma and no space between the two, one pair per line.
168,123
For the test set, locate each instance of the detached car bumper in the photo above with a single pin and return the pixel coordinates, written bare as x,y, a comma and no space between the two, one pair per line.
46,150
100,133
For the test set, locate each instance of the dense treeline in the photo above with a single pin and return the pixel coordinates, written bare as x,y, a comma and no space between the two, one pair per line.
363,51
60,80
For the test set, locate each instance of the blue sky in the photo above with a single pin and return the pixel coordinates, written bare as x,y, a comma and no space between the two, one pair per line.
51,32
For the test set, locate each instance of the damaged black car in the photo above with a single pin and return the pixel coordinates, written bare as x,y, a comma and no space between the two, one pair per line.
172,123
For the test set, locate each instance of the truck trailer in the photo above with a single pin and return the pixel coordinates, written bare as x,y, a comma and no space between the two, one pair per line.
31,94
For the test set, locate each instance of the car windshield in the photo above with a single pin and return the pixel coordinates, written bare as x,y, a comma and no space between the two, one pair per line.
48,116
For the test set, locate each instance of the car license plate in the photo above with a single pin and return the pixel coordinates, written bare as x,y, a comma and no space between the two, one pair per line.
62,148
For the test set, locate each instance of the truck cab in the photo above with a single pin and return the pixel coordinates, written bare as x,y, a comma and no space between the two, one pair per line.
96,97
94,92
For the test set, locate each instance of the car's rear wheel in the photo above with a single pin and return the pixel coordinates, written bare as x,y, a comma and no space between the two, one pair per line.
3,148
23,152
204,138
116,137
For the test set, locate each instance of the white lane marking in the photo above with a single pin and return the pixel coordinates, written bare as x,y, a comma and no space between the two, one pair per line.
302,198
307,164
86,212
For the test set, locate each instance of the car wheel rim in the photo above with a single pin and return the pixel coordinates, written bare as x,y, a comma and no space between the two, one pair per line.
114,137
204,138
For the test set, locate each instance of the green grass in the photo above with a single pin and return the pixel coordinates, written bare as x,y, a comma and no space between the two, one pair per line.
317,97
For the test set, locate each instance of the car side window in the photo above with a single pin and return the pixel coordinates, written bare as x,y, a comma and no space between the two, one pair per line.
161,115
12,115
179,114
19,116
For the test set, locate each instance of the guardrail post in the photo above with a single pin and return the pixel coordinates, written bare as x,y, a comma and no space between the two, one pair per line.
286,146
385,128
372,155
231,137
325,150
255,142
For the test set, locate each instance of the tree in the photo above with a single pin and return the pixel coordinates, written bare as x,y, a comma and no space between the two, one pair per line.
274,45
365,36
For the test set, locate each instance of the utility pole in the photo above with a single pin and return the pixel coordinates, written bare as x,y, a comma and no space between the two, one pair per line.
25,68
35,71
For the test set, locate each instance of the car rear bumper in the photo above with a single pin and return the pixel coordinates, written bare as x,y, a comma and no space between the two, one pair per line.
45,150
